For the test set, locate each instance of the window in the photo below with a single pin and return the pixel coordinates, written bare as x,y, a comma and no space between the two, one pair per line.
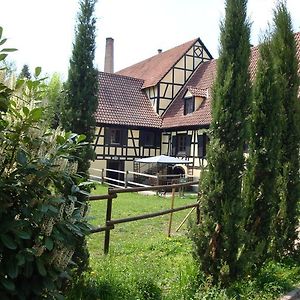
115,136
189,105
150,138
181,145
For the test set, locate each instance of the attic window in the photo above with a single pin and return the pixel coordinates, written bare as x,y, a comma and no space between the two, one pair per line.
189,105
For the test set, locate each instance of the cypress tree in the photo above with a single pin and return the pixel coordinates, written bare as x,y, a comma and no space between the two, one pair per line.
81,99
286,65
263,162
218,237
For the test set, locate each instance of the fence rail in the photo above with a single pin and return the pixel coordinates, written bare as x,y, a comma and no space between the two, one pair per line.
124,179
143,174
113,194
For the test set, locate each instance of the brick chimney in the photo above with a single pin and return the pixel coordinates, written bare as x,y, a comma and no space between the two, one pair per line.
109,55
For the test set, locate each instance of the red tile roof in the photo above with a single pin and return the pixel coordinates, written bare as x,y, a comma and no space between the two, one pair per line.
121,101
198,92
153,69
203,79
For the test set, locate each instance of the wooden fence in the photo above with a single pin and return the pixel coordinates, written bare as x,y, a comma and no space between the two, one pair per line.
152,180
113,194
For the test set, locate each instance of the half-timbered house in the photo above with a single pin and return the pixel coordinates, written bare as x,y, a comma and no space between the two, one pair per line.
161,105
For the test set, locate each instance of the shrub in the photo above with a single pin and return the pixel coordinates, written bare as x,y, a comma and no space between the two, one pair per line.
40,217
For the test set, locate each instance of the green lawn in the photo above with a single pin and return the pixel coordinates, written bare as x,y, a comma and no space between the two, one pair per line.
143,263
140,251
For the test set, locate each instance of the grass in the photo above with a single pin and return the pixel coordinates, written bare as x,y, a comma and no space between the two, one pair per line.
144,264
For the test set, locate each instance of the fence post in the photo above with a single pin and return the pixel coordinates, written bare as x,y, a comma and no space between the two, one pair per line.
157,183
126,179
108,218
171,213
102,176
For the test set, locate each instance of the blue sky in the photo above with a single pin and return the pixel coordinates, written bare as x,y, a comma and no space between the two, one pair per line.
43,30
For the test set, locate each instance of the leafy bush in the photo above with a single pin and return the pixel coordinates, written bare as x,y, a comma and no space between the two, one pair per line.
40,217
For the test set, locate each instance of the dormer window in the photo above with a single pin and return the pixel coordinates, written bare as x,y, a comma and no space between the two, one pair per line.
193,99
189,105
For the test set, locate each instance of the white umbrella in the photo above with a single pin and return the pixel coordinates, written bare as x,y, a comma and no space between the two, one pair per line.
162,159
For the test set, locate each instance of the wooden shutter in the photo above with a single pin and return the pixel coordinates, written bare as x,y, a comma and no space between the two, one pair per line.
188,141
174,145
142,137
203,141
124,137
106,136
157,139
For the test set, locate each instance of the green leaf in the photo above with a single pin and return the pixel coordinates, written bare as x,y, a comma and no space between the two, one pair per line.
44,208
48,283
40,266
84,193
37,71
74,189
49,243
13,103
2,56
25,111
53,208
3,41
59,296
8,284
3,104
8,50
3,123
28,269
1,31
60,139
20,259
24,235
8,241
12,269
21,157
81,138
58,200
19,83
36,114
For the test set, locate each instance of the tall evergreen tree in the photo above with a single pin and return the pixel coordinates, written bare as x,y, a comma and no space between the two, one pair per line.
81,101
263,162
286,65
218,237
